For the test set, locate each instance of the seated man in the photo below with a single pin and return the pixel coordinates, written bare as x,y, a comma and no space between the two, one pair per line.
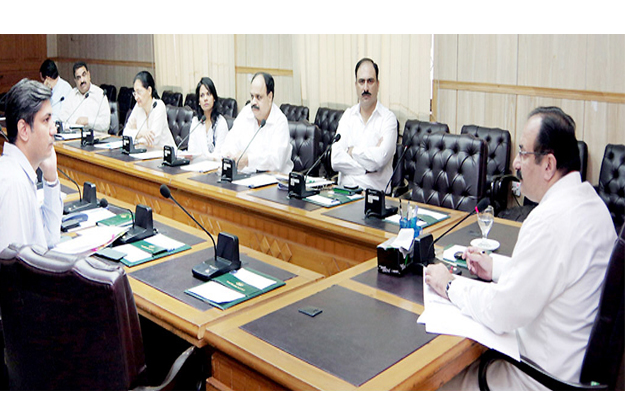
364,155
548,292
92,111
60,88
31,130
271,148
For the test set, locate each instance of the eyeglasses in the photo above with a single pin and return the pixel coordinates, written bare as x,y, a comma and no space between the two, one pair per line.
524,153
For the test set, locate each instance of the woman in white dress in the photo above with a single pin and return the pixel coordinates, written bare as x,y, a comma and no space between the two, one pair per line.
207,140
147,122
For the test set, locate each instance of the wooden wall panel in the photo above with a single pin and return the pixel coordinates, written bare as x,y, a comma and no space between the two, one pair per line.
20,56
487,58
605,63
489,110
603,124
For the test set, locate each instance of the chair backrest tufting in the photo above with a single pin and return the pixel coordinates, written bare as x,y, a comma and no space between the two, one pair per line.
450,170
228,107
172,98
295,112
327,120
305,141
611,186
179,121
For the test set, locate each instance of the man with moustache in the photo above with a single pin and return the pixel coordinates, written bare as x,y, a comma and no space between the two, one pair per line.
364,155
87,104
548,292
31,130
271,148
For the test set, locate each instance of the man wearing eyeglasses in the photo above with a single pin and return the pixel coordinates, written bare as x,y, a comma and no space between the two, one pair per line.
548,292
87,104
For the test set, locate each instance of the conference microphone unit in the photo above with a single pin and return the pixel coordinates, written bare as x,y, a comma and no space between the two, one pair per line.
128,143
73,221
297,181
424,245
375,200
142,225
229,166
169,152
88,139
226,250
87,200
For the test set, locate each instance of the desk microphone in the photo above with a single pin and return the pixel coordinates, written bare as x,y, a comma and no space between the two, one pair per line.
226,250
184,141
128,143
297,181
229,166
61,99
169,152
375,201
88,200
142,225
78,106
424,246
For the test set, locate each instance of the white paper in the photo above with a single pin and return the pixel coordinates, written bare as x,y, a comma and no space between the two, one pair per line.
448,254
90,240
323,201
434,214
216,292
164,242
253,279
204,166
443,317
110,145
257,181
133,254
147,155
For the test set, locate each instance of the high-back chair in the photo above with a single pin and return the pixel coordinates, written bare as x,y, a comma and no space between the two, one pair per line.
295,112
327,119
227,107
611,186
602,368
179,120
172,98
497,163
305,140
71,324
114,125
450,171
126,102
110,91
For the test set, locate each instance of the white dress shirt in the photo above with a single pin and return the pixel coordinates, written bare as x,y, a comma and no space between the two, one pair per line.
156,122
208,143
96,108
62,89
271,148
548,292
22,219
371,162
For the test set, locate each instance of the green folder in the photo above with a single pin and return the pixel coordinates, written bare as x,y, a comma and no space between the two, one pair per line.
117,220
234,283
155,252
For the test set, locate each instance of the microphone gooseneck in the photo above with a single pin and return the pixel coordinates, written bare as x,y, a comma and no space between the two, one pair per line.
262,124
71,179
401,157
76,109
165,192
186,139
144,122
336,138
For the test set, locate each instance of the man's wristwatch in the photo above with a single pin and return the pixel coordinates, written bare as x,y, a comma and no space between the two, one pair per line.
53,184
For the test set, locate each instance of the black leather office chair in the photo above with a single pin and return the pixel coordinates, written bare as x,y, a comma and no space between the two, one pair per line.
583,158
190,101
229,121
414,133
126,102
172,98
114,126
295,112
110,91
602,368
497,163
228,107
449,170
611,187
71,324
305,141
179,121
327,120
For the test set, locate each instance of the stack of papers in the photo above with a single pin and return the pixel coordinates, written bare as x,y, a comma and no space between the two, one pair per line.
151,248
443,317
257,181
88,241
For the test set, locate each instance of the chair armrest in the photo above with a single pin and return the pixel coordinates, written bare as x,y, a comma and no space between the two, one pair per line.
186,361
534,371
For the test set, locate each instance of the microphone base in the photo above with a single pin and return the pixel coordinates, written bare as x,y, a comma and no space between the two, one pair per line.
214,268
177,162
75,206
388,211
135,234
234,178
134,151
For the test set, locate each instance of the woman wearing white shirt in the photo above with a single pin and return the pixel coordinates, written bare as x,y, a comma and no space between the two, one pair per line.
154,132
207,140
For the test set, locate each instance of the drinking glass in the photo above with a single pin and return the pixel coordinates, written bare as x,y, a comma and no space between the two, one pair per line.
485,221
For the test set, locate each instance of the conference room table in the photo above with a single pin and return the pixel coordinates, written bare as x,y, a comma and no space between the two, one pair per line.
365,337
264,219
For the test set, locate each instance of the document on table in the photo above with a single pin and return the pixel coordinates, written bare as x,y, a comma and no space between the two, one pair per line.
147,155
203,166
88,241
116,144
443,317
256,181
